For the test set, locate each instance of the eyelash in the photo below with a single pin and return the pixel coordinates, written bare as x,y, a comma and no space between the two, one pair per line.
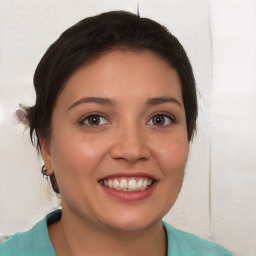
85,120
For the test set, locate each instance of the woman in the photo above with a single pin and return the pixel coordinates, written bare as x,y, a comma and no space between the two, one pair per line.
115,111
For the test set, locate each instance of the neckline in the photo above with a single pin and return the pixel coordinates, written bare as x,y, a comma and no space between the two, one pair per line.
55,216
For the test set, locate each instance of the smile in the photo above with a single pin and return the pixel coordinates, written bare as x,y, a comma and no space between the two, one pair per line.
128,184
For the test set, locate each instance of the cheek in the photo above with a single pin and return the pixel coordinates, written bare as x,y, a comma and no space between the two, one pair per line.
172,155
78,155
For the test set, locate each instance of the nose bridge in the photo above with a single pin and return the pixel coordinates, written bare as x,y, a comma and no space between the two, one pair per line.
130,142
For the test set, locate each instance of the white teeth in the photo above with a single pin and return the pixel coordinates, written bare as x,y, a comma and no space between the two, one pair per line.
132,185
140,184
123,184
109,183
128,184
116,183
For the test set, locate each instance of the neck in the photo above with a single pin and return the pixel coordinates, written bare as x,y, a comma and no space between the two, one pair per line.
73,236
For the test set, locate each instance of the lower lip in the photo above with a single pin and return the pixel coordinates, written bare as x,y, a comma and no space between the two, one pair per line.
129,196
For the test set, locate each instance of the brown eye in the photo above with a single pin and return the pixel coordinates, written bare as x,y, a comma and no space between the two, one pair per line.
94,120
160,120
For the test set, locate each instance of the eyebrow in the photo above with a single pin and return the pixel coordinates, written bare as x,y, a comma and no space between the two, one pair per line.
161,100
106,101
101,101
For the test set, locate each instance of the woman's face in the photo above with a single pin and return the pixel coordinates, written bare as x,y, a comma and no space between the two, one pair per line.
119,142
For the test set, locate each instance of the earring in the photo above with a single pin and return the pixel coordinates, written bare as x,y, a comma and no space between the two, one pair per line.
44,171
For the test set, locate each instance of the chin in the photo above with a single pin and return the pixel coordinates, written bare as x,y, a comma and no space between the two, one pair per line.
132,222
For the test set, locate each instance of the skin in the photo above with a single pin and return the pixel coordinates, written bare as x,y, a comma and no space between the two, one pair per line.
126,141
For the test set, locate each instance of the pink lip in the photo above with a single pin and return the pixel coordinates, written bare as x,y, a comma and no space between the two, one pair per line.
129,196
129,174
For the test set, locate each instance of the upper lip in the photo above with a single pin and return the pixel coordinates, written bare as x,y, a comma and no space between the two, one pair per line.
129,175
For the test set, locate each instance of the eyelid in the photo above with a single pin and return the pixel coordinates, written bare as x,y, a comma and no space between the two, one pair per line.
164,113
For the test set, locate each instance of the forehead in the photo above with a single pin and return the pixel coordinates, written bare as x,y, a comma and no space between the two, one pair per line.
124,74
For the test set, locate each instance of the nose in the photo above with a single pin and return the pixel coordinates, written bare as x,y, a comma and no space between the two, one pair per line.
130,144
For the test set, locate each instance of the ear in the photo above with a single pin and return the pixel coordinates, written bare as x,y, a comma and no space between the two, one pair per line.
46,155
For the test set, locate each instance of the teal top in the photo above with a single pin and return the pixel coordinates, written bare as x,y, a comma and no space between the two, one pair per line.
36,242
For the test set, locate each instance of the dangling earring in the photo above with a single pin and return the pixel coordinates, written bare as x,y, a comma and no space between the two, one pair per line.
44,171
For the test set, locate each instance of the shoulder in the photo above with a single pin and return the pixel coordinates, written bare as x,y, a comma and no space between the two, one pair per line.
34,242
182,243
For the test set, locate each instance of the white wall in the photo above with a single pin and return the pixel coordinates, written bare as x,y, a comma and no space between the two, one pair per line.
218,199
